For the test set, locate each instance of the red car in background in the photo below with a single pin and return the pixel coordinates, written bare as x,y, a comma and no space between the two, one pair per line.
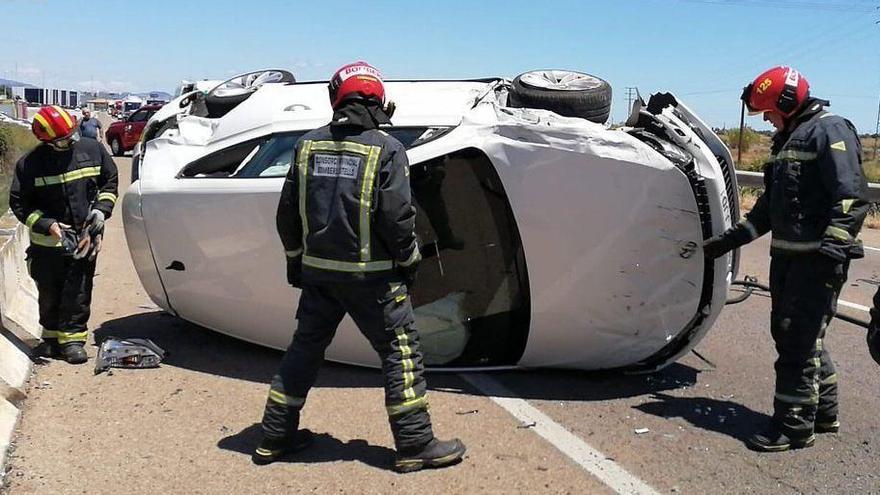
123,135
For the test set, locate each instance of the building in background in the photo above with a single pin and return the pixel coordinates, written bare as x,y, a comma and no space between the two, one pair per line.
98,104
47,96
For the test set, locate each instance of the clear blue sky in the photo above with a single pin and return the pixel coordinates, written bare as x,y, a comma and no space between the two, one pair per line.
705,51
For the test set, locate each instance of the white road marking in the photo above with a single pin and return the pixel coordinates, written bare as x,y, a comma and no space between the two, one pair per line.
869,248
593,461
853,305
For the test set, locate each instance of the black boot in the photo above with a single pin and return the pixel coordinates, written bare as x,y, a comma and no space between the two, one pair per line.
436,454
774,440
273,449
73,353
828,424
48,348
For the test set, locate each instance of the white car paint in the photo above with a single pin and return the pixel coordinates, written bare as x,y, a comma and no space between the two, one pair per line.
603,219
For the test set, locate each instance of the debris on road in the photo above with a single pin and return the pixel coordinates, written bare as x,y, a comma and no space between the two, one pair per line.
527,425
463,413
642,431
128,353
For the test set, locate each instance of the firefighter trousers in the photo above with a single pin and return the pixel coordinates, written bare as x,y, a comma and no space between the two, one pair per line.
383,313
804,290
64,287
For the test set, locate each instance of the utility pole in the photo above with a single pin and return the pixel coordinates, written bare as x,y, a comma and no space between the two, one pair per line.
877,128
877,132
631,93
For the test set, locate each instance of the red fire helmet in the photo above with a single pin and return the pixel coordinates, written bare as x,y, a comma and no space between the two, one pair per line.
781,89
359,80
53,123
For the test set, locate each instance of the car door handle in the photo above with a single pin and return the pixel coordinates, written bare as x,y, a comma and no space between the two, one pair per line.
176,266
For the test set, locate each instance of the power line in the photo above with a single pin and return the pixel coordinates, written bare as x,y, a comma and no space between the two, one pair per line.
818,43
799,5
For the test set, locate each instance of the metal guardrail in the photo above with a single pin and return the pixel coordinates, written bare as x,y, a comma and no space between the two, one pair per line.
756,179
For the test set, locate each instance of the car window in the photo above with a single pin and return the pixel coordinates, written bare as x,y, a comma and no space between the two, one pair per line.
273,158
139,116
223,163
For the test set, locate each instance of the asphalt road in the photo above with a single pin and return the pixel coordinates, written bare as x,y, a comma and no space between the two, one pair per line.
189,426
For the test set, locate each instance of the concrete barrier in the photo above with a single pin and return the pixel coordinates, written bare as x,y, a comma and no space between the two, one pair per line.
20,330
8,420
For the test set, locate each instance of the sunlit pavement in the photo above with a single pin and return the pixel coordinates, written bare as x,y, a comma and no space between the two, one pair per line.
189,426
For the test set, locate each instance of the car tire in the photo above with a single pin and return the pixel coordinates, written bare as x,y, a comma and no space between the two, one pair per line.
116,147
567,93
218,106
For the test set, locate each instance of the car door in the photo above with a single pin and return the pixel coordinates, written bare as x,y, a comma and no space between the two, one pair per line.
214,241
134,127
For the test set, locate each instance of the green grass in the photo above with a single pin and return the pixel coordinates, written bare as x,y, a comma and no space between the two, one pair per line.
14,142
872,170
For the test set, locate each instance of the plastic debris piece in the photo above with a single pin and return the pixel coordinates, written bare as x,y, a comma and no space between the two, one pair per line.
642,431
528,425
472,411
128,353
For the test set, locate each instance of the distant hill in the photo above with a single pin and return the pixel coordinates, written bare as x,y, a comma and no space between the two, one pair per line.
155,95
10,82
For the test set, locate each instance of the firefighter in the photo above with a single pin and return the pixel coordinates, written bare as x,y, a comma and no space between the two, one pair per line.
873,337
814,203
347,224
63,190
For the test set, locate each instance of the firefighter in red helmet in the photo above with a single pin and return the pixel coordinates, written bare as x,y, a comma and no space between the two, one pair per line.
814,203
348,227
63,191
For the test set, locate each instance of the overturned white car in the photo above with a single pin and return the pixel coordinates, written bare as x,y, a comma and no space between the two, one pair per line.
549,240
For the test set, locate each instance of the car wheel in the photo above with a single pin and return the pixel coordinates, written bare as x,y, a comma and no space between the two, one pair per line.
116,147
568,93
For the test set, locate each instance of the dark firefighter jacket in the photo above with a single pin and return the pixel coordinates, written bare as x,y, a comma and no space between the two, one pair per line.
346,207
62,186
815,192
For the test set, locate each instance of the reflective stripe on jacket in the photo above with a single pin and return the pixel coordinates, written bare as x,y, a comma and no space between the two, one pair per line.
346,206
62,186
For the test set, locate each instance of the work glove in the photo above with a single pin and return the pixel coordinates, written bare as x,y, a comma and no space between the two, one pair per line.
95,222
294,271
409,273
718,246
